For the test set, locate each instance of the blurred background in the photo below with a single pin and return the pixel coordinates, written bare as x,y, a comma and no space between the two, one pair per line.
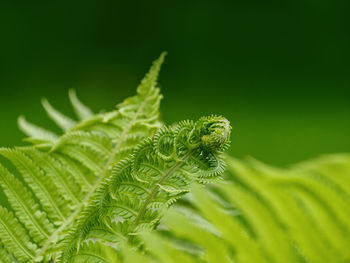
279,70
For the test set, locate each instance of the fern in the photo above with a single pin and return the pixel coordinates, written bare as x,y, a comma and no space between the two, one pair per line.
260,214
27,210
158,173
97,181
4,255
61,173
94,192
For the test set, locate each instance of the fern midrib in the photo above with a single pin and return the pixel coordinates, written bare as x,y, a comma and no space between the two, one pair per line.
155,188
100,179
24,249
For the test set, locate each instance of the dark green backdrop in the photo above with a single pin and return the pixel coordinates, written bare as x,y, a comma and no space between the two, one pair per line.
279,70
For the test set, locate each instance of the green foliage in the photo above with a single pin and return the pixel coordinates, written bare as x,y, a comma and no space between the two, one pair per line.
59,174
260,214
96,192
159,172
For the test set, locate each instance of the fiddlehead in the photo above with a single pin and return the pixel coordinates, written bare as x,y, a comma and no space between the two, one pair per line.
159,172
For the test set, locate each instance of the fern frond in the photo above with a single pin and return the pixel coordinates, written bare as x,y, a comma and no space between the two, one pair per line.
327,208
295,200
215,250
148,178
280,216
64,172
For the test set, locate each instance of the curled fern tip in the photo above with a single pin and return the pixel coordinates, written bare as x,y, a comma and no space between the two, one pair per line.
214,132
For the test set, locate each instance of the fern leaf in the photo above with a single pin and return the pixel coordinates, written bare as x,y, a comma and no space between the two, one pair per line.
81,110
26,209
150,81
308,192
35,132
96,142
64,122
87,158
14,237
216,251
132,256
295,201
81,176
302,230
164,250
5,256
41,185
94,252
65,183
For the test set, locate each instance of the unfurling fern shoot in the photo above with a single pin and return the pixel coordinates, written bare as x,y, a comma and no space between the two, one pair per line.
159,171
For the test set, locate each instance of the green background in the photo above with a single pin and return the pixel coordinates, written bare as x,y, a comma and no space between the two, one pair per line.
279,70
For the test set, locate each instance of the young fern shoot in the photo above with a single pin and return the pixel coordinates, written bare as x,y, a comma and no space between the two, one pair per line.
160,170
